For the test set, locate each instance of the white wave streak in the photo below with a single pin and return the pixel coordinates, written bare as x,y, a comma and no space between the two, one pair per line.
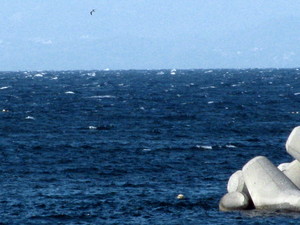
207,87
93,74
230,146
207,147
2,88
103,96
39,75
69,92
30,118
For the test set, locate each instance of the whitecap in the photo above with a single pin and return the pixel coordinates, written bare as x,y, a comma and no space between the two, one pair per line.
146,149
297,93
207,87
30,118
295,112
92,74
2,88
207,147
39,75
230,146
210,102
69,92
92,127
173,72
103,96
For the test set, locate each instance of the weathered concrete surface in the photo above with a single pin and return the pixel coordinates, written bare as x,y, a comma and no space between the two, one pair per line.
293,172
234,201
293,143
283,166
268,187
237,183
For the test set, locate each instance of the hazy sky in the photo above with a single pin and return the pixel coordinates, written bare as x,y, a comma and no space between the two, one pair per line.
148,34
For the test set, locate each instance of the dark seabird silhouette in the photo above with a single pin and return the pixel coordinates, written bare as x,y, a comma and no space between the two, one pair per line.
91,12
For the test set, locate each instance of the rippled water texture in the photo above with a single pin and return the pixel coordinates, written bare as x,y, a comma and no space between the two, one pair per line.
117,147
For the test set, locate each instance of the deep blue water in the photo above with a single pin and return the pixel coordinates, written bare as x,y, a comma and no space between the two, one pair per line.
117,147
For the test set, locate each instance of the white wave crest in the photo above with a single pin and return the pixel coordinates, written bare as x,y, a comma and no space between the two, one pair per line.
203,88
39,75
93,74
30,118
207,147
230,146
69,92
103,96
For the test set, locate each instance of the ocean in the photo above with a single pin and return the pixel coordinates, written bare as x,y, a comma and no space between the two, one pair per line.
118,147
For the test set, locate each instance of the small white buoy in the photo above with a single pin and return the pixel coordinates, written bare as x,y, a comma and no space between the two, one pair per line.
180,196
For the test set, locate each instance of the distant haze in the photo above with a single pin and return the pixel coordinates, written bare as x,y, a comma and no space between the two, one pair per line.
149,34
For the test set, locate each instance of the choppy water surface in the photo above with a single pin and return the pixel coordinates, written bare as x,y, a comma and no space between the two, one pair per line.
117,147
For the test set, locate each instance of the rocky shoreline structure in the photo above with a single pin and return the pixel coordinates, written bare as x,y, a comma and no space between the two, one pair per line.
262,185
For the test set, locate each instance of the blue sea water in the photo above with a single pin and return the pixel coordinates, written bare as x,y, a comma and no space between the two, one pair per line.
117,147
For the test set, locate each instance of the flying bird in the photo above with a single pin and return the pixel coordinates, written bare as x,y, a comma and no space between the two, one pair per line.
91,12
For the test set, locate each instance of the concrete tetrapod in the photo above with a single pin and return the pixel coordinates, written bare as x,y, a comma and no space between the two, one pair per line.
293,144
234,201
236,182
269,188
293,172
283,166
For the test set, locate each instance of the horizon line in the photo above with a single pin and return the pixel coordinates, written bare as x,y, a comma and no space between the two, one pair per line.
158,69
